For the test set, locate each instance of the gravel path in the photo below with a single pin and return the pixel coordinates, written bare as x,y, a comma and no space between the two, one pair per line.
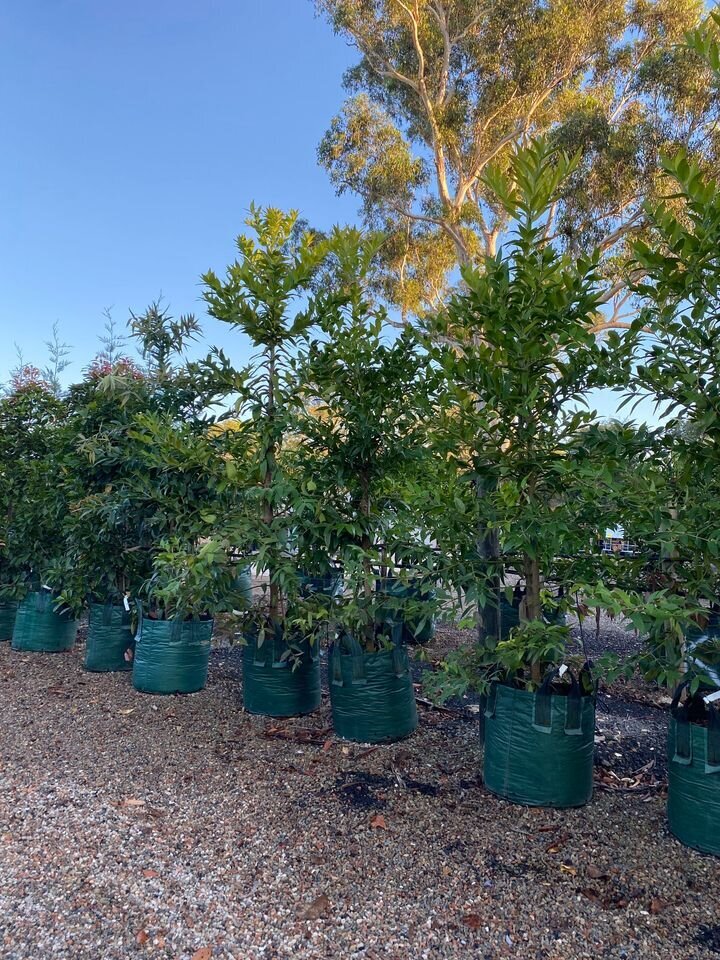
144,827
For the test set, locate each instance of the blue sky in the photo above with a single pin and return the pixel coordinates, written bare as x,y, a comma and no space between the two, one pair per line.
136,136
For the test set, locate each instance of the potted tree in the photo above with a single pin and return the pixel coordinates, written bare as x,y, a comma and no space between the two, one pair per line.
107,556
275,268
680,369
32,531
517,353
362,430
188,587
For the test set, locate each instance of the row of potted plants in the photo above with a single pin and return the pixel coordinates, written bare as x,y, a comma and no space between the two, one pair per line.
458,452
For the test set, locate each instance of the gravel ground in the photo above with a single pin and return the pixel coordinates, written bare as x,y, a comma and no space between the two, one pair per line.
134,826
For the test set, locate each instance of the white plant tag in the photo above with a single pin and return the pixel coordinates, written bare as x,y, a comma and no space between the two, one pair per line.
563,670
712,697
126,603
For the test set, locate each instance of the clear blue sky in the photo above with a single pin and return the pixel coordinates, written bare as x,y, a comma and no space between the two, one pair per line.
136,134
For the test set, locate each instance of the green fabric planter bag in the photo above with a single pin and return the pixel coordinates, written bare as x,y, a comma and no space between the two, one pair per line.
171,656
275,685
693,805
539,746
7,619
371,694
109,638
329,585
40,628
418,626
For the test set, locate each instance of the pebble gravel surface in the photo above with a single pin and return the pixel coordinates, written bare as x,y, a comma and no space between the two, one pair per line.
134,826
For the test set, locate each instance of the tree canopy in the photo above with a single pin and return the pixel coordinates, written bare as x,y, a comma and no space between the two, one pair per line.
444,88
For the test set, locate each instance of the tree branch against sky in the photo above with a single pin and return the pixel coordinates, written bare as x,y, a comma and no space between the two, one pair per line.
443,88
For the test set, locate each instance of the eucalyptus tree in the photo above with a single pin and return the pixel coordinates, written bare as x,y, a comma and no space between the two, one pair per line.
445,88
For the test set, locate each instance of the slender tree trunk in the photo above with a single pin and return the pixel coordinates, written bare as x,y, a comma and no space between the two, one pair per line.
488,548
270,478
366,543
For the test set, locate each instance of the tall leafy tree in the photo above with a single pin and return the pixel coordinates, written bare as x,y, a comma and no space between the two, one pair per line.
515,421
264,294
444,88
362,445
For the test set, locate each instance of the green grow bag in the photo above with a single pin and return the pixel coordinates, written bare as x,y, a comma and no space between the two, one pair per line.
109,639
328,585
693,805
242,595
7,619
509,617
171,656
539,746
418,626
39,627
275,684
371,694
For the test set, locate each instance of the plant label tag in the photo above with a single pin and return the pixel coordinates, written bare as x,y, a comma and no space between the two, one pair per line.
563,670
46,587
126,603
712,697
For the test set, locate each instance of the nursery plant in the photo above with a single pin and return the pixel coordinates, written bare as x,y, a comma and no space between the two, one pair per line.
519,358
680,368
266,294
361,442
33,509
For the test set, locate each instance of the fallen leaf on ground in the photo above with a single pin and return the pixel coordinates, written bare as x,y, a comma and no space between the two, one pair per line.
378,822
319,908
150,874
142,937
126,713
132,802
657,905
566,868
204,953
595,873
472,920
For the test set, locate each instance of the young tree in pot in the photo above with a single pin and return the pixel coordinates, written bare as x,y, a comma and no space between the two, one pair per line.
369,396
107,557
527,357
34,508
281,670
681,370
188,587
